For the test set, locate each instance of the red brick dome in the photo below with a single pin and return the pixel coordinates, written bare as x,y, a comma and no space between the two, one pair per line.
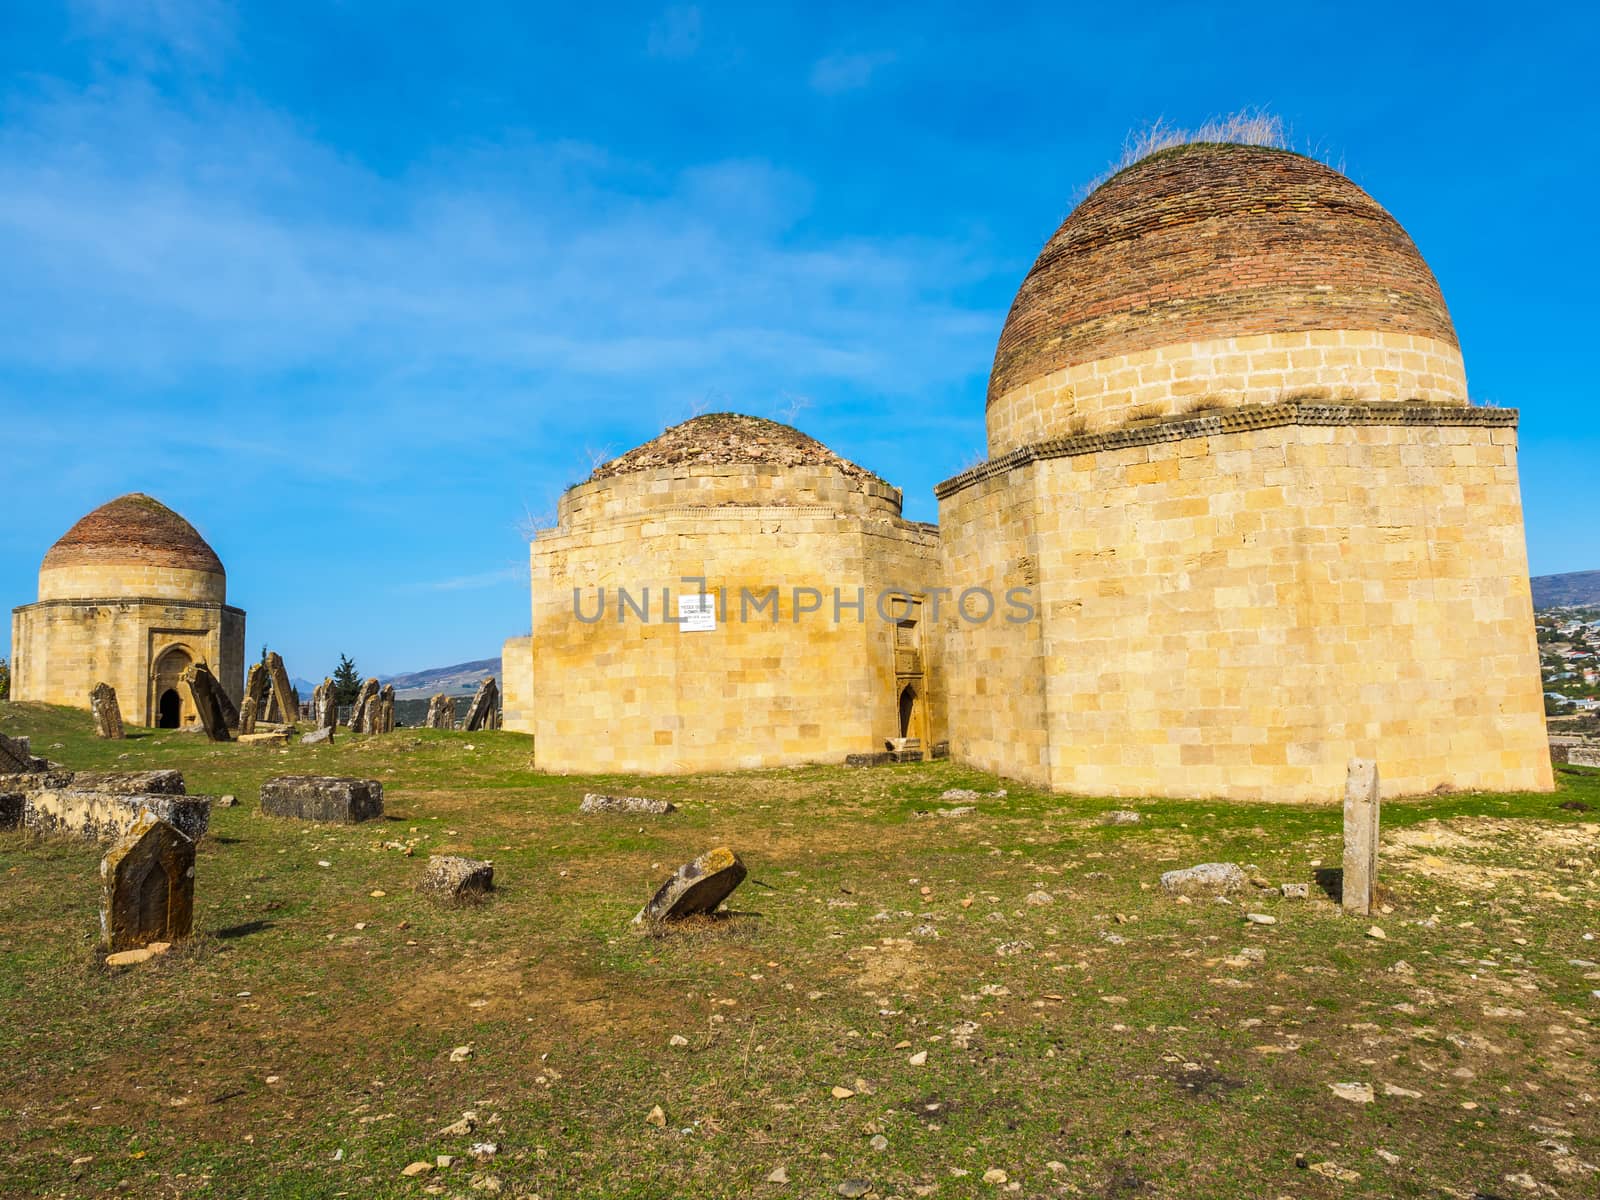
1213,240
133,530
724,439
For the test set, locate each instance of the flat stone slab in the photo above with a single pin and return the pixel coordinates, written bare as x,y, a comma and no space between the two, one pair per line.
317,737
452,875
1206,879
274,737
696,887
596,803
25,783
1121,816
339,798
129,783
107,816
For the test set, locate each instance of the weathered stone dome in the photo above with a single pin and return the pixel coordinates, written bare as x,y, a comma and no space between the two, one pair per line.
1229,249
728,439
132,546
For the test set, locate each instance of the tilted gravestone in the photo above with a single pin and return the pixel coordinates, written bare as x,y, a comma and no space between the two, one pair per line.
696,887
364,713
247,716
258,688
484,712
203,690
107,713
1360,836
322,798
147,886
16,755
441,712
325,705
284,699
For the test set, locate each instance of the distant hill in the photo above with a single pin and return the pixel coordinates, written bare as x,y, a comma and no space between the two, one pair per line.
1575,587
461,679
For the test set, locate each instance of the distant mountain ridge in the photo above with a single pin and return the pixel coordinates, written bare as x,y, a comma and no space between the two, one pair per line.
453,680
1575,587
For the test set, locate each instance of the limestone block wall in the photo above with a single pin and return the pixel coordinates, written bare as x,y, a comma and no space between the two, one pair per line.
772,684
1267,368
139,580
1234,605
516,685
62,648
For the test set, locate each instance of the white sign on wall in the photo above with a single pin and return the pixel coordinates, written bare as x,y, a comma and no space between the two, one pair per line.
697,614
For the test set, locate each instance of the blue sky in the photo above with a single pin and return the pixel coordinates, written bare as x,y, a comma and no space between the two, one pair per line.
359,288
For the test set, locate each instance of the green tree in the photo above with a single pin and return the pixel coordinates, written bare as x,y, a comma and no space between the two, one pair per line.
346,681
5,680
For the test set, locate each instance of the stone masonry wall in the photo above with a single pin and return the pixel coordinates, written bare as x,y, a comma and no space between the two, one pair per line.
516,685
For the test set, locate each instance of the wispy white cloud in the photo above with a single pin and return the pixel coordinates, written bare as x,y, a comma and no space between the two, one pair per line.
461,583
847,72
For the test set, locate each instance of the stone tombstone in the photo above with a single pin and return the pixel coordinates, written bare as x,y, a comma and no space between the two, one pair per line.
283,695
1360,836
386,709
147,886
484,711
203,688
16,755
247,716
106,816
162,782
341,799
441,712
362,715
452,875
696,887
325,705
593,802
258,687
322,736
107,712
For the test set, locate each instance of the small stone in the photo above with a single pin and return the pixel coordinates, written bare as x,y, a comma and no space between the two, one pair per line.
677,1039
842,1093
444,1161
1040,898
377,893
1256,918
1335,1171
1356,1093
1295,891
995,1175
451,876
229,801
483,1150
696,887
853,1187
1206,879
1374,932
656,1117
417,1168
778,1175
917,1059
1121,816
1388,1156
467,1123
879,1142
461,1054
1390,1089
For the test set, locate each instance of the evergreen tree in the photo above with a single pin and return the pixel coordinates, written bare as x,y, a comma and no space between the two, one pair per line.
5,680
346,681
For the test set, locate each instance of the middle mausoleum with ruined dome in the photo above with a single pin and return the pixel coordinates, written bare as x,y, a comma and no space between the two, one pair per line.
1232,464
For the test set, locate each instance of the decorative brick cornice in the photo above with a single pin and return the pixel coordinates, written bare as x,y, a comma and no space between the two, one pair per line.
214,606
1232,420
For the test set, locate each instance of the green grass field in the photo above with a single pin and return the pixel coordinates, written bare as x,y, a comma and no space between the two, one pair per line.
1112,1042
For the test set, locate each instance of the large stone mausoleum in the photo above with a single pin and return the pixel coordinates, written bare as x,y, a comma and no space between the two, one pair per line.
131,595
1234,469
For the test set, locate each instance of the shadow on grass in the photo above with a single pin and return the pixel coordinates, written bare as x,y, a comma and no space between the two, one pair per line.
1331,881
244,930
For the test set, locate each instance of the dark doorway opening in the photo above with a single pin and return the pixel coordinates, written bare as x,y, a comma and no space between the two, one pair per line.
908,710
171,709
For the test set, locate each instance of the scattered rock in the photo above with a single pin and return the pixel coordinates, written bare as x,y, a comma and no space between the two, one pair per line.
132,958
461,1054
1121,816
467,1124
842,1093
656,1117
995,1175
1335,1171
1040,898
1356,1093
1374,932
879,1142
1205,879
677,1039
696,887
917,1059
318,737
1256,918
229,801
1295,891
417,1168
854,1187
778,1175
1390,1089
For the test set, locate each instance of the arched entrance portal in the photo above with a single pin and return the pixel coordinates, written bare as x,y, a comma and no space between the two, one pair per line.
169,703
908,712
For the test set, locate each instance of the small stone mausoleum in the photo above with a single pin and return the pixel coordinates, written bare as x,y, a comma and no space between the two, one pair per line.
131,596
710,601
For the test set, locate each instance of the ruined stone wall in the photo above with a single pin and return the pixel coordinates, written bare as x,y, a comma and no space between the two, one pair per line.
1236,605
516,685
62,648
753,692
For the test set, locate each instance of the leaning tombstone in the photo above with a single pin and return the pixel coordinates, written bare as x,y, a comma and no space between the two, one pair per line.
441,712
147,886
247,716
203,688
283,694
107,713
484,711
258,688
696,887
1360,836
365,710
325,705
386,709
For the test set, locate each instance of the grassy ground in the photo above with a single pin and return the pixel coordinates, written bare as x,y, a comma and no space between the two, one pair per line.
1112,1042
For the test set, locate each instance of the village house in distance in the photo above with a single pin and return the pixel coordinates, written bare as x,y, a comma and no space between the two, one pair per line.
130,596
1232,459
